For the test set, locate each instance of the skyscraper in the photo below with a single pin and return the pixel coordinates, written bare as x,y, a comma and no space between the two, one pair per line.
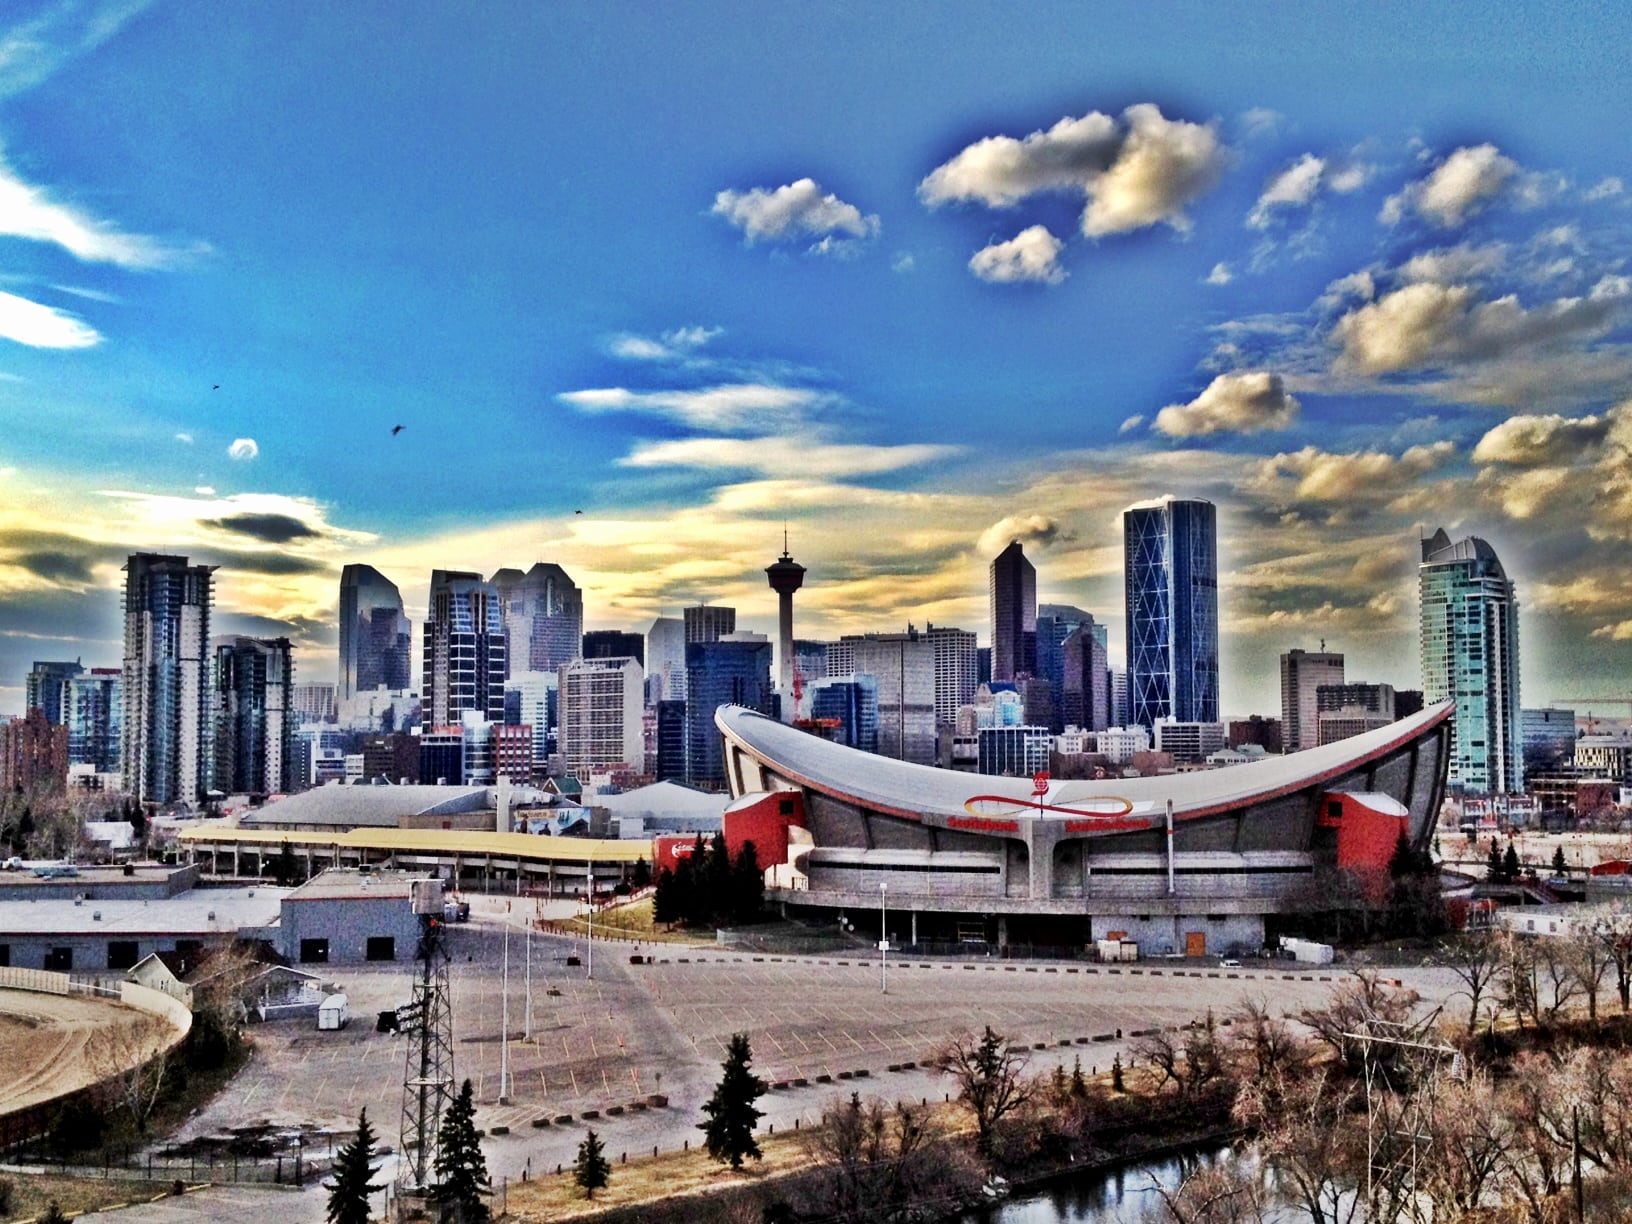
904,666
376,638
542,612
600,705
666,659
733,671
464,651
1470,653
1013,588
43,688
164,749
956,669
254,723
1303,672
93,705
1170,556
615,644
709,622
1085,685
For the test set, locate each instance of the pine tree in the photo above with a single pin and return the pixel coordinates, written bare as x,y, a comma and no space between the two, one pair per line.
1493,864
666,905
285,870
730,1111
1510,864
693,877
641,876
1116,1074
592,1171
1403,862
1079,1085
461,1172
1559,867
747,884
349,1191
716,882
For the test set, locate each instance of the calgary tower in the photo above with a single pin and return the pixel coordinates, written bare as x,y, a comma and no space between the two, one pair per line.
785,577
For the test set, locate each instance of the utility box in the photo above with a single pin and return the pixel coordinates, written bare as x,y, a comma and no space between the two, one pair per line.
1118,950
333,1013
1307,952
427,896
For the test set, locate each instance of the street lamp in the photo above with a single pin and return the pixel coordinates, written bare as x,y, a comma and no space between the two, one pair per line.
589,941
883,943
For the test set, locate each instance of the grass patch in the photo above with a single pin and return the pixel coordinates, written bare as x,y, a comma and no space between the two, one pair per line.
32,1193
632,921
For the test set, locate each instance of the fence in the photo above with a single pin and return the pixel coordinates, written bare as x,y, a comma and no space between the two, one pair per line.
292,1168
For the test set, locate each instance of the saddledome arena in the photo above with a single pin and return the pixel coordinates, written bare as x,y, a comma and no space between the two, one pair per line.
1187,863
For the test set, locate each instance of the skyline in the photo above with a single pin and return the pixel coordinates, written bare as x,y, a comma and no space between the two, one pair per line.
913,290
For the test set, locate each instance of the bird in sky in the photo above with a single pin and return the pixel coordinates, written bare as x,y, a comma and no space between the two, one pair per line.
395,430
217,387
577,511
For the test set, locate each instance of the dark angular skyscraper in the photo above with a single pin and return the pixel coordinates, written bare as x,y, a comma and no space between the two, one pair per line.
1014,614
543,615
464,650
376,638
731,672
1170,556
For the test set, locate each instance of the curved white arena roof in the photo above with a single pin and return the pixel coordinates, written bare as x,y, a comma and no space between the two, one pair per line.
911,790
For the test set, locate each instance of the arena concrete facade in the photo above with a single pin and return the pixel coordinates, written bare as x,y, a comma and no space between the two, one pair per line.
1188,863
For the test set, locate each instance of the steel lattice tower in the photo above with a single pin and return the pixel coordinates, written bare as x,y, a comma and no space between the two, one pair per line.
427,1082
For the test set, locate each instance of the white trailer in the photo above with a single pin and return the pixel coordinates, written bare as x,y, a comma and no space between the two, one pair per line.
333,1013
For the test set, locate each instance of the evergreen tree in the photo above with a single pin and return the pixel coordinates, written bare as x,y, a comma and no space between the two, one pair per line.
137,819
592,1171
285,869
1559,867
666,905
461,1172
1079,1085
693,876
641,876
717,882
349,1191
1403,862
1493,863
747,885
1510,864
1116,1074
730,1111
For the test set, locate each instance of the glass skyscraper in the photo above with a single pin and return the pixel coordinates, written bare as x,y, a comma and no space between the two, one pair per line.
376,638
543,617
1470,654
728,672
92,709
1014,614
464,650
164,748
254,724
1170,568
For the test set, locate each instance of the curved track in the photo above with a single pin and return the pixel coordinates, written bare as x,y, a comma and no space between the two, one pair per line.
44,1040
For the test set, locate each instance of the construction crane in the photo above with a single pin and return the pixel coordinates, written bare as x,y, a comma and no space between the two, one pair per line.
1588,702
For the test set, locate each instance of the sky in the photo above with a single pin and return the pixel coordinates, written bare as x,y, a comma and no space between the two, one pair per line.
646,285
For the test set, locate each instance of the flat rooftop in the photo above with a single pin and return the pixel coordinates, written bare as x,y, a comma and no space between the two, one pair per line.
376,807
349,885
200,912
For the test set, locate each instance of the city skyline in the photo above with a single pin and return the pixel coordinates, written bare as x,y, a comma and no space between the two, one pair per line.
911,289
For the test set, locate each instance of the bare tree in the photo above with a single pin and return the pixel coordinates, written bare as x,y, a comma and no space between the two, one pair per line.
1614,931
1555,974
1356,1001
1475,958
1267,1046
1586,958
131,1060
1306,1135
876,1155
1226,1193
1470,1144
991,1078
1516,979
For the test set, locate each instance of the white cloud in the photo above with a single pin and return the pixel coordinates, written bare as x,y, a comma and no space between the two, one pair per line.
204,491
1322,476
1455,265
903,262
806,455
1541,440
1361,284
243,448
1132,423
185,437
1133,172
674,344
1457,188
1606,189
1031,255
1430,324
1220,275
728,407
33,50
798,210
1261,121
40,326
27,212
1249,402
1294,187
1035,529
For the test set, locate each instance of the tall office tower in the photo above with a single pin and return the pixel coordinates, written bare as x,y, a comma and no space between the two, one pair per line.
956,669
254,724
810,660
1470,652
465,656
92,707
543,616
530,700
904,664
164,745
376,638
852,703
1013,588
1302,673
1119,696
43,688
1170,558
785,576
1085,686
600,705
1549,737
983,665
709,623
615,644
1055,623
313,702
666,658
33,754
671,741
734,670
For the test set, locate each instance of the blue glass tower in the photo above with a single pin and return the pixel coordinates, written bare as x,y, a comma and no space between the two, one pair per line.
727,672
1170,555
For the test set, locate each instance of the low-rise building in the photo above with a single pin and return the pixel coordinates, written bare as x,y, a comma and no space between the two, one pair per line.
350,917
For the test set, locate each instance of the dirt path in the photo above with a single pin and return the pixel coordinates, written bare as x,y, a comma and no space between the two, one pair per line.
43,1040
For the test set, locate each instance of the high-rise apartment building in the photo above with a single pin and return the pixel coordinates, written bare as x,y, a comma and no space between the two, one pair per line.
671,741
542,612
599,707
734,670
43,688
376,638
93,706
1302,673
666,659
164,747
253,723
464,654
1013,590
1470,654
33,754
530,699
1170,557
956,669
709,622
314,702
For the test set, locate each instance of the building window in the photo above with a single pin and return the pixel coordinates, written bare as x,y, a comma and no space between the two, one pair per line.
786,807
381,948
121,953
5,956
314,951
59,960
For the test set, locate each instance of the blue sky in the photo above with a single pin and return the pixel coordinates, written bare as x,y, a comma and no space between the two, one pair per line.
913,280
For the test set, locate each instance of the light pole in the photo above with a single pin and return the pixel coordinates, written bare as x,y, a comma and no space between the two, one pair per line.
883,943
589,873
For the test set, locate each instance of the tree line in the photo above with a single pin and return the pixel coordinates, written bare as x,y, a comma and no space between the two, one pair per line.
708,888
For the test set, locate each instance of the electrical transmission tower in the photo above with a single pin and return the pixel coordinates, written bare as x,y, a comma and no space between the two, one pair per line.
427,1082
